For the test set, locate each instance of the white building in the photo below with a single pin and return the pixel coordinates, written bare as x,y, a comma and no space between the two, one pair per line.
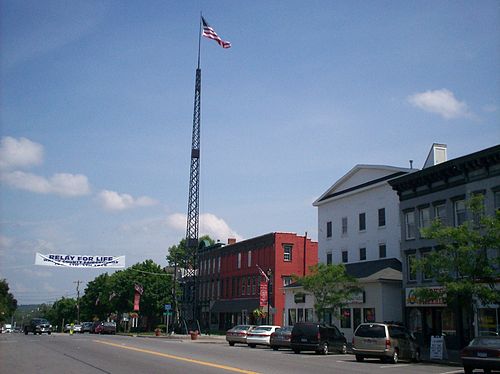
358,217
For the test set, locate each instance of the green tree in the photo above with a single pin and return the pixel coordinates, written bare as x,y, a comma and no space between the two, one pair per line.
466,261
62,311
8,304
96,303
182,255
331,286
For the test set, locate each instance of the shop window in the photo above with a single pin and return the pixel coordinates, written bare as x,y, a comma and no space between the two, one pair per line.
309,314
292,316
356,317
369,315
488,321
300,315
345,318
448,322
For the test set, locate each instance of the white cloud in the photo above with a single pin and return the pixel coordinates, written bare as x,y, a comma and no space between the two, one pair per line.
111,200
20,152
62,184
210,225
442,102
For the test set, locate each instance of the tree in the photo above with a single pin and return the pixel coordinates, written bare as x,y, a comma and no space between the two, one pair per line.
331,286
466,261
63,309
8,304
182,255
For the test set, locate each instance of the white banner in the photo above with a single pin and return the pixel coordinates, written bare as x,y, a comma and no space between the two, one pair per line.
80,261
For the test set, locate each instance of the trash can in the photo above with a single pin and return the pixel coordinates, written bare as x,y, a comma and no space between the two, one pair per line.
194,334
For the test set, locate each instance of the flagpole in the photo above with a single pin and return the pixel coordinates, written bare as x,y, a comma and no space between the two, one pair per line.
199,42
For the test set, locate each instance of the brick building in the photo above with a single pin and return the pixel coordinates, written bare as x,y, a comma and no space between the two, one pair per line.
228,279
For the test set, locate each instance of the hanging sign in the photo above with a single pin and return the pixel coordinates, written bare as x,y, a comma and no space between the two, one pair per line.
80,261
263,294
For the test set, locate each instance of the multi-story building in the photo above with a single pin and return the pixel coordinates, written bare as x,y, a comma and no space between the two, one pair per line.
440,190
229,278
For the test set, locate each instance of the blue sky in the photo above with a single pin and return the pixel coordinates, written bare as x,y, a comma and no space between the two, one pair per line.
97,105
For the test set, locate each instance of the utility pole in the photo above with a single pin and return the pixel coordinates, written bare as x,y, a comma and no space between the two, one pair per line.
78,299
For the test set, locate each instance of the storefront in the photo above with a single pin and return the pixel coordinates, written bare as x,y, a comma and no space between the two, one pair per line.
488,320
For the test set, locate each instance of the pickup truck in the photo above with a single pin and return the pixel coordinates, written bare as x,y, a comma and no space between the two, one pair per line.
38,326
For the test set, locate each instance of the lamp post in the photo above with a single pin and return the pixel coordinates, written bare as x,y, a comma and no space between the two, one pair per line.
269,274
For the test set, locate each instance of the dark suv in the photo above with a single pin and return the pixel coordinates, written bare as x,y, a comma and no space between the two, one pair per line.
311,336
38,326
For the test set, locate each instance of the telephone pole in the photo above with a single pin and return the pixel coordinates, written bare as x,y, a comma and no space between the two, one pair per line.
78,299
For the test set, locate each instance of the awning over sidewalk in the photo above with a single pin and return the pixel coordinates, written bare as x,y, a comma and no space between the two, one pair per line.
235,306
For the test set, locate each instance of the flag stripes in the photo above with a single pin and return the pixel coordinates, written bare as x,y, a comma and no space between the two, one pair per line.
210,33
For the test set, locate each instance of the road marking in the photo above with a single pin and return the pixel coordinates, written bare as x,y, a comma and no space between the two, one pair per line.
393,366
179,358
452,372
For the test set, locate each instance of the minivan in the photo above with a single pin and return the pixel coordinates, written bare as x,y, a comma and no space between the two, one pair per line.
388,342
313,336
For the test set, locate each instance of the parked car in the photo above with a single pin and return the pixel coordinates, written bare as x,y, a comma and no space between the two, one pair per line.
106,328
86,327
385,341
67,327
94,326
482,353
281,338
313,336
77,327
260,335
238,334
38,326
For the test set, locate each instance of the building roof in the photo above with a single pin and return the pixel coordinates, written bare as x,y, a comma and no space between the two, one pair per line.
345,185
387,268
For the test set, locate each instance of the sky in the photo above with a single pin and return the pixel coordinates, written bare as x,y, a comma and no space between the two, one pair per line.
97,111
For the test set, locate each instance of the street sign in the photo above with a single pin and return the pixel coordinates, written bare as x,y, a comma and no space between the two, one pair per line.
168,306
167,313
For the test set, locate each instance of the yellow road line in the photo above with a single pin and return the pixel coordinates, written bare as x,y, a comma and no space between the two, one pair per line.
179,358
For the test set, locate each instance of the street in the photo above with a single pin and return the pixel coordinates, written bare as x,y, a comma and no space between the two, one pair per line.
62,353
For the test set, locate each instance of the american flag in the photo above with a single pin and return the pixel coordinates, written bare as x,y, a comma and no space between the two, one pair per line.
210,33
263,274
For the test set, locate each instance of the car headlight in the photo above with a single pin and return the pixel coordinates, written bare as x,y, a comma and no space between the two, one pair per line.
50,326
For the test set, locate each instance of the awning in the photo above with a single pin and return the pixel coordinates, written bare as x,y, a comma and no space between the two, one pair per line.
235,306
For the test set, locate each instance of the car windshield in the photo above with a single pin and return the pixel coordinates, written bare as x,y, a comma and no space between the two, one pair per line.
41,320
371,331
486,342
109,324
241,327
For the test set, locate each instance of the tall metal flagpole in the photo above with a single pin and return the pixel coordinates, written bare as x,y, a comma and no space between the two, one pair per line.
193,215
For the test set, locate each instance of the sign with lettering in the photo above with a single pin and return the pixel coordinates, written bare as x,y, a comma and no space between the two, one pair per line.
413,300
80,261
263,294
437,347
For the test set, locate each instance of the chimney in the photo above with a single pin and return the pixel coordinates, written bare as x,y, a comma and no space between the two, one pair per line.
436,155
231,241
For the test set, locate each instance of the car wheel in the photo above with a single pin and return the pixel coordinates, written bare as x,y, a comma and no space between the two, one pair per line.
49,333
359,358
343,349
323,349
297,351
487,371
231,344
275,348
468,370
252,345
25,332
394,359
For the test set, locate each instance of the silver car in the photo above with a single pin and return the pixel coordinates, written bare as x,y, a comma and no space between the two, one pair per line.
261,335
238,334
387,342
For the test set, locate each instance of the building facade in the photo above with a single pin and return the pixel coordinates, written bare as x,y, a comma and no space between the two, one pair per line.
229,278
441,191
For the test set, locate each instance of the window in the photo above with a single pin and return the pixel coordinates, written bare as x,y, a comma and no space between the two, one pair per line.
218,263
344,256
239,260
329,229
440,213
426,273
477,216
382,251
496,196
369,315
381,217
362,221
249,262
424,219
412,269
362,254
410,225
345,318
459,212
329,258
309,314
287,280
292,316
287,252
243,286
344,225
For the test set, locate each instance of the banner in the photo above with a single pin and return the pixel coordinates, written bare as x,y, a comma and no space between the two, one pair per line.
263,294
80,261
137,300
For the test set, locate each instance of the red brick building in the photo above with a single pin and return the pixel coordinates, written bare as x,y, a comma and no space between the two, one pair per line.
228,280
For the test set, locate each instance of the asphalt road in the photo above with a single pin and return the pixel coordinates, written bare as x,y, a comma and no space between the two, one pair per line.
61,353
